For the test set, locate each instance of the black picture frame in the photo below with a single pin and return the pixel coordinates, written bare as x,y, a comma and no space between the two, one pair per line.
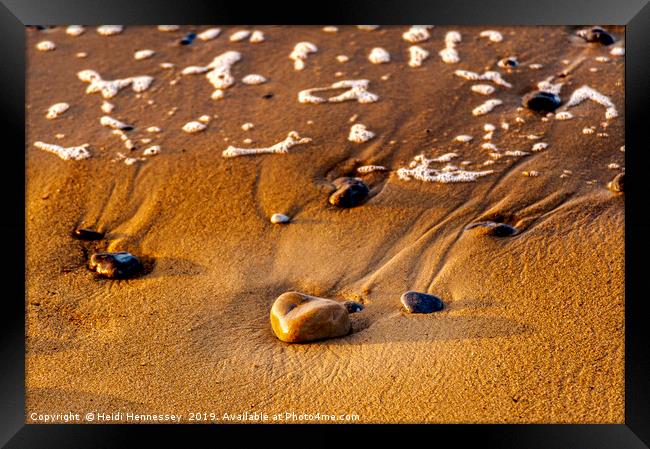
635,14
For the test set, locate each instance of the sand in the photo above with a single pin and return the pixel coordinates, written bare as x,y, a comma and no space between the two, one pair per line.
533,329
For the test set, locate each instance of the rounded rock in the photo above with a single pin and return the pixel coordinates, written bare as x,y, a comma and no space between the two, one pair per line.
597,35
416,302
299,318
118,265
350,192
541,101
279,219
353,306
87,234
494,229
617,184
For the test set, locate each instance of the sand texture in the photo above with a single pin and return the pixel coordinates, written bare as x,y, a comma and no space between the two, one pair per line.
533,325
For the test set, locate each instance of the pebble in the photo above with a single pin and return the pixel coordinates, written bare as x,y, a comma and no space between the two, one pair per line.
353,306
279,219
87,234
45,46
298,318
509,62
617,184
492,228
541,101
118,265
416,302
350,192
596,34
188,39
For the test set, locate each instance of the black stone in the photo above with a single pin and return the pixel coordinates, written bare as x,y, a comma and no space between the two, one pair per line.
267,96
509,62
353,306
597,35
416,302
188,39
87,234
350,192
541,101
494,229
119,265
618,183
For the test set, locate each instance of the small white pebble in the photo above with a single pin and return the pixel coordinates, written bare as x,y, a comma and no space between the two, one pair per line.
256,37
379,56
75,30
463,138
247,126
153,129
342,58
239,36
253,79
204,119
167,28
209,34
330,29
81,54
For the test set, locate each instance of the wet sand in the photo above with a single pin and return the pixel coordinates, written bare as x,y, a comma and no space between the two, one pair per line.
533,328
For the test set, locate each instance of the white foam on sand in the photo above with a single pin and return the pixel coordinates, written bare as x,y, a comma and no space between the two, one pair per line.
193,127
445,157
417,33
449,54
420,170
370,168
253,79
107,107
368,27
168,28
239,35
152,150
617,51
143,54
218,71
486,107
46,46
300,53
539,146
547,86
483,89
357,90
75,30
110,122
360,134
564,115
56,110
493,35
330,29
279,148
417,55
109,89
209,34
70,153
109,30
379,56
587,93
342,58
256,37
495,77
463,138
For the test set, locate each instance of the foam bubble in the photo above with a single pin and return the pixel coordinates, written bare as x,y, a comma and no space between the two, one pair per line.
152,150
110,122
70,153
143,54
218,71
483,89
486,107
168,28
330,29
417,55
240,35
109,30
539,146
564,115
253,79
46,46
617,51
193,127
209,34
421,171
463,138
56,110
279,148
364,169
495,77
449,54
109,89
300,53
379,56
493,35
75,30
587,93
359,134
256,37
417,33
357,90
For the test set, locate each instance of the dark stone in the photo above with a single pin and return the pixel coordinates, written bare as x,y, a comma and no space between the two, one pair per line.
188,39
597,35
119,265
540,101
494,229
353,306
416,302
350,192
617,184
509,62
267,96
87,234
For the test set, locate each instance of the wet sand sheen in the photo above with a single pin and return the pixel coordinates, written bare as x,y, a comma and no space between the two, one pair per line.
532,329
